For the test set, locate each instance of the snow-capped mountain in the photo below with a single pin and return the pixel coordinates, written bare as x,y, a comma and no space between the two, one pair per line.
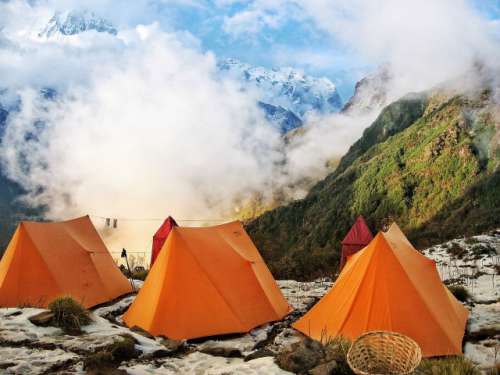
75,22
287,88
284,119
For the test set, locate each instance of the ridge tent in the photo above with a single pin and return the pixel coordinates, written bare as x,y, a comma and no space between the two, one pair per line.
207,281
357,238
160,237
47,260
390,286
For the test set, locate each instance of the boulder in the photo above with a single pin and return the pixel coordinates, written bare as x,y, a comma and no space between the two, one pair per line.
324,369
301,357
42,319
260,354
172,345
221,351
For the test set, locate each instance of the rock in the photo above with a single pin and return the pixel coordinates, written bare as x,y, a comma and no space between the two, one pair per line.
14,313
220,351
42,319
172,345
301,357
142,332
259,354
107,371
286,338
161,353
324,369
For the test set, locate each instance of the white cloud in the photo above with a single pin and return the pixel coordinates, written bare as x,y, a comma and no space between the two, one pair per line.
148,130
259,15
144,127
424,41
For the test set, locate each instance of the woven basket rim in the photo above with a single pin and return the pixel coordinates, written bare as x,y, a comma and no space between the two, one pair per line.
382,333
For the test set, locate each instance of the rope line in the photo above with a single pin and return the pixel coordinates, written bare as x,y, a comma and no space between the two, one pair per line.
157,219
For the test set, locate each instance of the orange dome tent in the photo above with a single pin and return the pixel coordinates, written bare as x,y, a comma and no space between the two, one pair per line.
47,260
207,281
390,286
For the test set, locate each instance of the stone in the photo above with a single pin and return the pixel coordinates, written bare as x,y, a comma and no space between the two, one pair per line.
172,345
260,354
301,357
142,332
42,319
324,369
221,351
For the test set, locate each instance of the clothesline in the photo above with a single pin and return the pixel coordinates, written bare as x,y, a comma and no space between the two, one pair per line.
157,219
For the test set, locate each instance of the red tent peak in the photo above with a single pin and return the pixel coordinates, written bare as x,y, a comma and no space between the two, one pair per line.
165,228
359,234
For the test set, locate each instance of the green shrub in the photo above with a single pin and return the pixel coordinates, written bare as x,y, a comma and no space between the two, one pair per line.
460,292
98,361
69,315
447,366
337,349
123,350
140,274
110,357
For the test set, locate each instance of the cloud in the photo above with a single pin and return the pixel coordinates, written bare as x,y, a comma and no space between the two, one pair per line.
152,130
259,15
424,42
144,126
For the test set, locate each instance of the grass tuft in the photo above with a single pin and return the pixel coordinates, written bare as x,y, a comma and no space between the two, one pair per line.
447,366
69,315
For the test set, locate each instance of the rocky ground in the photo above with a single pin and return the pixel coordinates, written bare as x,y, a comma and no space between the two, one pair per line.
29,349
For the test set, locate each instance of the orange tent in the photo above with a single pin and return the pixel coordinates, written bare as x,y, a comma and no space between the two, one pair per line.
390,286
47,260
207,281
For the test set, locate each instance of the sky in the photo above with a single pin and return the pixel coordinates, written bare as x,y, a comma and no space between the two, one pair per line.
275,33
270,33
144,126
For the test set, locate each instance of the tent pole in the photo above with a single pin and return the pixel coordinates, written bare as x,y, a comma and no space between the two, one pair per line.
124,255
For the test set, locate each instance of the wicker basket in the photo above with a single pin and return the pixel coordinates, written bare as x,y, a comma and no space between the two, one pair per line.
380,352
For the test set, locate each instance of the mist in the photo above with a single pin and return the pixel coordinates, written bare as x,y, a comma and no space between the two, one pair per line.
143,126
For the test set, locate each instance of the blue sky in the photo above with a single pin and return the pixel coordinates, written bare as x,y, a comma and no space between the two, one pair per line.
294,40
296,43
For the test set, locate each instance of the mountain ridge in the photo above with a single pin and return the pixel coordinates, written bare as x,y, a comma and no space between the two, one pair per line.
430,174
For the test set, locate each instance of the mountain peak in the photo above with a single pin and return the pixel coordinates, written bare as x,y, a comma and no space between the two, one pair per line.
287,87
76,22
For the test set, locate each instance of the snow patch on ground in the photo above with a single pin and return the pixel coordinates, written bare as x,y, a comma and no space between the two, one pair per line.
32,361
199,363
474,263
29,349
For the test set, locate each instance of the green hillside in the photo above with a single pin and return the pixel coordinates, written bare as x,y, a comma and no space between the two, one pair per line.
429,161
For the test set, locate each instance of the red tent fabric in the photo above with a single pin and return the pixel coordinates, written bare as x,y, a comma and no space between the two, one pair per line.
357,238
160,237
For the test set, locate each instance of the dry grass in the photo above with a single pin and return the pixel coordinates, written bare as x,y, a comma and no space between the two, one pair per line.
69,314
447,366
